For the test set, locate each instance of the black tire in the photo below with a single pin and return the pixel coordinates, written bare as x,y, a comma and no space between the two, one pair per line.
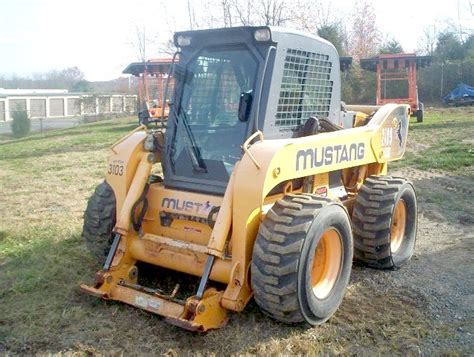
375,226
420,112
99,221
419,116
143,118
284,253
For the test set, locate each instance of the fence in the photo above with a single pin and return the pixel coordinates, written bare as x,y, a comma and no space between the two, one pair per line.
60,106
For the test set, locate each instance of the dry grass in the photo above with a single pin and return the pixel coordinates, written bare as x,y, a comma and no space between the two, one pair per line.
45,181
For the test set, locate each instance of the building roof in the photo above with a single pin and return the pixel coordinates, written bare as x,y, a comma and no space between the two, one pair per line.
152,66
27,92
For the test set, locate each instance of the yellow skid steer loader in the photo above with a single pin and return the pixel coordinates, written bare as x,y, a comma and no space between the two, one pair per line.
261,185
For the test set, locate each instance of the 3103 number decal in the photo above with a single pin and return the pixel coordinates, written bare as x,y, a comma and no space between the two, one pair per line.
115,169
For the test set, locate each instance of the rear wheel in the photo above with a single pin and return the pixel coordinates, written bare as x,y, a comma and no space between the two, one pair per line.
384,222
419,116
420,112
143,117
99,221
302,259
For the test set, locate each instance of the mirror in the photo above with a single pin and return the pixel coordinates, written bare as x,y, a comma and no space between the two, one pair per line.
245,104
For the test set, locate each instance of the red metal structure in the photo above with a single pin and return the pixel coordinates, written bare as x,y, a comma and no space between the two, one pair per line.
396,79
152,76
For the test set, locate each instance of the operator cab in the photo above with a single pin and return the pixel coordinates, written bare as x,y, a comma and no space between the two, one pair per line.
231,82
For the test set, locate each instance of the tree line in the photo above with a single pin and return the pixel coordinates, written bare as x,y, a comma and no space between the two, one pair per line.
356,35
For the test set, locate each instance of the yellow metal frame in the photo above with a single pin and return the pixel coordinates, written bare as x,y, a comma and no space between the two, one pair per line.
185,243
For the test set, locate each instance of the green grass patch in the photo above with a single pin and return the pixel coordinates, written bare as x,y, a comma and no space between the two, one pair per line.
444,141
449,155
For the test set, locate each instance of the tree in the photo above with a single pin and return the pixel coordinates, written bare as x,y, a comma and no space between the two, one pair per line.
306,15
427,42
448,47
140,42
20,124
392,47
468,47
333,34
273,12
82,86
72,74
364,36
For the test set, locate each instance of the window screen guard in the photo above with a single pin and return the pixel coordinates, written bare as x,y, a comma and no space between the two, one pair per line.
306,88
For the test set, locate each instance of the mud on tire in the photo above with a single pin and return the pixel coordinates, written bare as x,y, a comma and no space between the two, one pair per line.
384,222
99,220
285,273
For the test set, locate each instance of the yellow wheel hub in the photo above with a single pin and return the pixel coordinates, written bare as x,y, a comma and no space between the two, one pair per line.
327,263
397,229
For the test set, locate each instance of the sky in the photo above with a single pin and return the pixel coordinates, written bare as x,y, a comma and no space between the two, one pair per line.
98,35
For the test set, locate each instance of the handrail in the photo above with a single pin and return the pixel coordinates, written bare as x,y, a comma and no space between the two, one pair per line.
246,145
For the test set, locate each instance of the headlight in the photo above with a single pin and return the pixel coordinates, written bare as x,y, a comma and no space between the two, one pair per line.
183,40
262,35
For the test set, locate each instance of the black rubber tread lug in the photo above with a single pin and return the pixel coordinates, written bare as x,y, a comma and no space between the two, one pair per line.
99,221
277,252
371,220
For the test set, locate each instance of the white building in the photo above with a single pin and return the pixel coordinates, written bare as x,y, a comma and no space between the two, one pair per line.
59,103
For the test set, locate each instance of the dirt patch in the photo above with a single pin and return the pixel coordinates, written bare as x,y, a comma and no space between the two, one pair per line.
442,267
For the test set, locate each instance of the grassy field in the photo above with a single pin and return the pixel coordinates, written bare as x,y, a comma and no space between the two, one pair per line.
45,181
444,141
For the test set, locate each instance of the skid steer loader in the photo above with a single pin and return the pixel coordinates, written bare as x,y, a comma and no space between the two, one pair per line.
261,185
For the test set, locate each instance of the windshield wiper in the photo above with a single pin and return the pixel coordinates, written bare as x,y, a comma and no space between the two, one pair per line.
192,149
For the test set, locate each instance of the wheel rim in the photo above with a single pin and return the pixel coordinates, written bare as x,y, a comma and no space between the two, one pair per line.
326,263
397,229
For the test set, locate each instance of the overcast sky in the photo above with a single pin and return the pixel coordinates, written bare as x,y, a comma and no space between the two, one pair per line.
96,35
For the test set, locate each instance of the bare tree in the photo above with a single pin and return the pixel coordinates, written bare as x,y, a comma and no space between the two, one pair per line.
427,42
364,37
243,9
226,7
191,16
273,12
310,16
139,42
465,16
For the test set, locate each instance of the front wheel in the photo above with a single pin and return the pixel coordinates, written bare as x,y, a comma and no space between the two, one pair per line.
302,259
99,221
